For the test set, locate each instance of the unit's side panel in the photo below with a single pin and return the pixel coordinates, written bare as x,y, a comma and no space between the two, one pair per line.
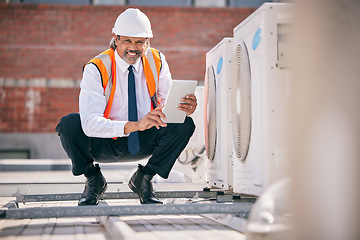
269,80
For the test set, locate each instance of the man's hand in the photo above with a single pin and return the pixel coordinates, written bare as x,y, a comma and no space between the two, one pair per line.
150,120
189,105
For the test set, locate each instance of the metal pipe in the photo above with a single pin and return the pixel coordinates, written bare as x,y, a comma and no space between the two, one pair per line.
151,209
114,195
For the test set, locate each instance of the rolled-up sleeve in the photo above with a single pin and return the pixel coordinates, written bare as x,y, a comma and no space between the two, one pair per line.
92,103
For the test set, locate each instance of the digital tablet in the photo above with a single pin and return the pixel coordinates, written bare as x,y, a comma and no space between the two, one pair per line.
178,90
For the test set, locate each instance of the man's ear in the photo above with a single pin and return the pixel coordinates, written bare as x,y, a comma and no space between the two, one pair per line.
115,37
147,43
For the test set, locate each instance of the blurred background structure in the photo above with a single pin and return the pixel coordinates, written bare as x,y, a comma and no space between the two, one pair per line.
45,43
325,117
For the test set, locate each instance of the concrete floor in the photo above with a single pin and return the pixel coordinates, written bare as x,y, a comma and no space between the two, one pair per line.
162,227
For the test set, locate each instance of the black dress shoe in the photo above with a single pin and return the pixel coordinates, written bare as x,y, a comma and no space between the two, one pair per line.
141,185
94,187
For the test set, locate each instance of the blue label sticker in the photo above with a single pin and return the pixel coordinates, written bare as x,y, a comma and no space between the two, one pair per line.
256,39
219,65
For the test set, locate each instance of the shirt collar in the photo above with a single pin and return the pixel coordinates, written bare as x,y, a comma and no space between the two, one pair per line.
124,65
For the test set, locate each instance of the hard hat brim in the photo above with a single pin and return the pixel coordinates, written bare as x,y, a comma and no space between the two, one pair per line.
142,35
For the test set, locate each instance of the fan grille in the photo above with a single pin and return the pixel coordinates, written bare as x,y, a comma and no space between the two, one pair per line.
210,113
241,101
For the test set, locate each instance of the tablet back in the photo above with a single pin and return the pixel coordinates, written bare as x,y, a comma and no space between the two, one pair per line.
178,90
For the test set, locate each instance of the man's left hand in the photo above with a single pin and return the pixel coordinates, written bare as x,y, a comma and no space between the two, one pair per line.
189,104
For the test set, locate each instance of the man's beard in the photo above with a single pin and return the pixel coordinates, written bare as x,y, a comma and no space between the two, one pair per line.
131,58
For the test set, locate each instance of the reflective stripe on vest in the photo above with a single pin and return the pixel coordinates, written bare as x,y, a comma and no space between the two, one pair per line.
105,62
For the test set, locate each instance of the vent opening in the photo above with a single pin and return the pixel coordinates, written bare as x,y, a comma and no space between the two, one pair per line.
210,113
241,101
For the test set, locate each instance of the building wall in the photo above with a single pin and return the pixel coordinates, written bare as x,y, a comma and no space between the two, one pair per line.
37,41
44,47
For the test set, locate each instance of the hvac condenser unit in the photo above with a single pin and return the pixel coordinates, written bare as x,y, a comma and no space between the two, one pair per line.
216,115
259,92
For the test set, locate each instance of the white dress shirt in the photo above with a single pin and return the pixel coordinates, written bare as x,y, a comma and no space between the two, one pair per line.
92,101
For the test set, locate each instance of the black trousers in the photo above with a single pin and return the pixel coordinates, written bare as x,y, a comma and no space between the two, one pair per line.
164,145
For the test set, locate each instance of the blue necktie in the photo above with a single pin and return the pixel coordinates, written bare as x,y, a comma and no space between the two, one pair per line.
133,139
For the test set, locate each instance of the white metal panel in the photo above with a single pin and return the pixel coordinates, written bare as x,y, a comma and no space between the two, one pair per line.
265,158
216,115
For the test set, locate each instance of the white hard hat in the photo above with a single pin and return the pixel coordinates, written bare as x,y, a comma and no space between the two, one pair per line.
133,23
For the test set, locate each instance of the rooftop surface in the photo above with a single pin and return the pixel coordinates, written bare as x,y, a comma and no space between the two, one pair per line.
17,181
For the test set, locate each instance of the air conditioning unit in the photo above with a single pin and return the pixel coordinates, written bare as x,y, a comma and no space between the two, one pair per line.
259,92
216,115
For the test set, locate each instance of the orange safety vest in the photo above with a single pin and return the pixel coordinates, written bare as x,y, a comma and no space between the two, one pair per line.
105,63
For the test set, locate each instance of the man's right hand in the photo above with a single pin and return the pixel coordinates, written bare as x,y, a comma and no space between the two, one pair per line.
152,119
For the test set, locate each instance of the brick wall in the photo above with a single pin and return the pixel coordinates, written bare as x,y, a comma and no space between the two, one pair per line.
52,42
36,109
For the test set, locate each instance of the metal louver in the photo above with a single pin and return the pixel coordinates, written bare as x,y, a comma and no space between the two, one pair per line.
241,101
210,113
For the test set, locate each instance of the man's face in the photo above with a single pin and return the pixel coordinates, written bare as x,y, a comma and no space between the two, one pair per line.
130,49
